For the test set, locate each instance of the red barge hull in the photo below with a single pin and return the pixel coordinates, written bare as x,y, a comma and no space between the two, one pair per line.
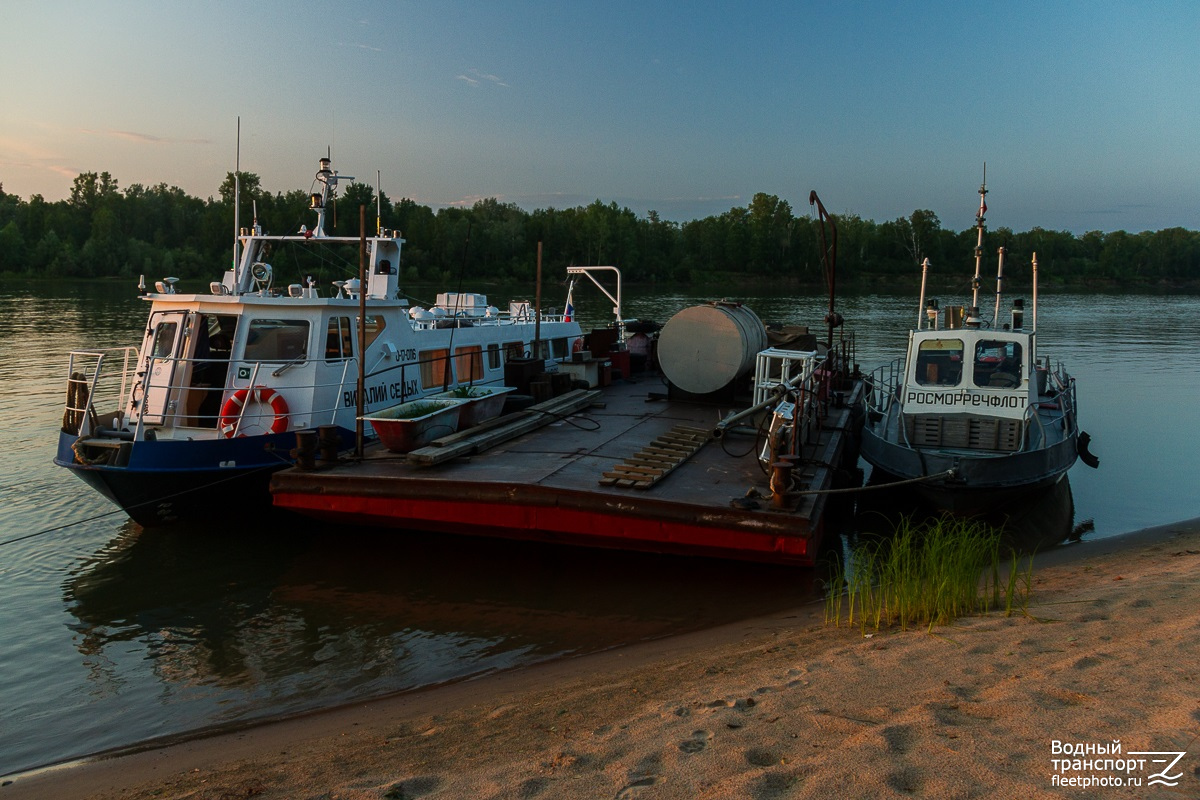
549,484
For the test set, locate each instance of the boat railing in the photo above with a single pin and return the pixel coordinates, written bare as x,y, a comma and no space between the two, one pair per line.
96,379
1058,400
194,393
464,320
800,378
882,384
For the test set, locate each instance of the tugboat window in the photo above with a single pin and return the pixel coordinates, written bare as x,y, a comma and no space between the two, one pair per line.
164,342
277,340
997,364
939,362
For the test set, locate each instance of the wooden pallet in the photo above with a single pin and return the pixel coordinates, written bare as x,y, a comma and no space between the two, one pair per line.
656,460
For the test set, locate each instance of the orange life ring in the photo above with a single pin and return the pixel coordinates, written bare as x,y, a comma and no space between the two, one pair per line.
231,412
577,345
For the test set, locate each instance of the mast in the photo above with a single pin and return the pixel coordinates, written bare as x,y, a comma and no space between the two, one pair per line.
1035,266
975,282
237,198
319,201
999,285
829,258
921,301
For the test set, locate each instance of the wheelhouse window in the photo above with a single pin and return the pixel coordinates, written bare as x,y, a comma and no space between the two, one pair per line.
277,340
493,353
338,341
939,362
997,364
375,324
164,339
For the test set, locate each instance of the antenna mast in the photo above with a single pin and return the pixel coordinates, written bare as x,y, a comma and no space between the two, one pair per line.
237,198
977,280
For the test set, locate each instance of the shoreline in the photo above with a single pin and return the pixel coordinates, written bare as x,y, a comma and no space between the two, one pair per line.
776,706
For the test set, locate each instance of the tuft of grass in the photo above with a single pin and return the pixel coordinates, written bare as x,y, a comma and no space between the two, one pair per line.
420,409
927,574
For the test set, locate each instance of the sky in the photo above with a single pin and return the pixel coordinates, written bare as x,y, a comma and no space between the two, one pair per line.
1087,114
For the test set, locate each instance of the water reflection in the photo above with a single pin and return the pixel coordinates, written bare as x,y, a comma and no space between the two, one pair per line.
300,618
1035,522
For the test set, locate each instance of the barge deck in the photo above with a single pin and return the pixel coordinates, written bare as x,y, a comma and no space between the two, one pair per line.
619,467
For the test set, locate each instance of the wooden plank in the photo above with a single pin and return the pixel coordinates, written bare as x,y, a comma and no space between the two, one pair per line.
656,460
633,470
522,422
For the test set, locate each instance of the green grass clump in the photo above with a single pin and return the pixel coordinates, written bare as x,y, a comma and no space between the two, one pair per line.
927,575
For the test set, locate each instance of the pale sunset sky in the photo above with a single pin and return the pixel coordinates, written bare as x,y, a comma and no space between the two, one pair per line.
1087,113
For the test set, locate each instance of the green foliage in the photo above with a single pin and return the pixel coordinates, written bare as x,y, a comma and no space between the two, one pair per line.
102,231
926,575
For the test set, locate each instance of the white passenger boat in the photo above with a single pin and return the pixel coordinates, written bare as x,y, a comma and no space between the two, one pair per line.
207,406
973,414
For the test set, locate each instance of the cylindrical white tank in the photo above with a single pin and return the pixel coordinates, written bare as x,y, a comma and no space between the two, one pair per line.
702,348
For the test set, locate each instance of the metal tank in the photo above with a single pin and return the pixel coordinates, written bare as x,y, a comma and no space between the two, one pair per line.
703,348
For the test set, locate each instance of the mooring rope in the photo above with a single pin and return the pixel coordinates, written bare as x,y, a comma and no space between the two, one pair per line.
936,476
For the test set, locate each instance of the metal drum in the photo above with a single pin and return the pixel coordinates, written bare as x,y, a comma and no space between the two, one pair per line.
703,348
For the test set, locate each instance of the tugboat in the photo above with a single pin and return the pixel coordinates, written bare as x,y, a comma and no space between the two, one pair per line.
208,405
972,415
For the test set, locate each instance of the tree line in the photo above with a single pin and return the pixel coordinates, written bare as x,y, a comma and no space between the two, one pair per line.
101,230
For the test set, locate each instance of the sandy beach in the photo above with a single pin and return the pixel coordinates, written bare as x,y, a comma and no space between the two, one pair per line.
778,707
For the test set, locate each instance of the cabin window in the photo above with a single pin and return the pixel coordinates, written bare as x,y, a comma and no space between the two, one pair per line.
375,324
514,350
435,368
338,341
559,347
997,364
493,356
939,362
277,340
468,363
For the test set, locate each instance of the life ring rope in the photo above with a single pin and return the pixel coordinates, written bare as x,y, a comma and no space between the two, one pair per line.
231,412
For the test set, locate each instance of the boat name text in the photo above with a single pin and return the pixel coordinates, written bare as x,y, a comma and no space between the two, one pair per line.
383,392
962,398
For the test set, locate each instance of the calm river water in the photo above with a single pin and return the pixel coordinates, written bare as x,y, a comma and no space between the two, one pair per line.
111,635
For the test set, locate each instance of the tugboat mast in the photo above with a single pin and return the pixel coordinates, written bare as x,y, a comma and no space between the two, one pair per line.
979,220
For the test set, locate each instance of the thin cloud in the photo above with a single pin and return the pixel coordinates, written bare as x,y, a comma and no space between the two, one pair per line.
476,78
25,155
142,138
361,46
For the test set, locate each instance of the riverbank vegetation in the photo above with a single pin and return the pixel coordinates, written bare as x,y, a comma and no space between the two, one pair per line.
102,230
928,574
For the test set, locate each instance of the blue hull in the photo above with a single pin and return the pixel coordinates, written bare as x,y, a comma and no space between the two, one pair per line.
162,482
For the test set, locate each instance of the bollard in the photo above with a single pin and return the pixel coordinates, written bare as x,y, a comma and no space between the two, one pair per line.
781,482
329,442
306,449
